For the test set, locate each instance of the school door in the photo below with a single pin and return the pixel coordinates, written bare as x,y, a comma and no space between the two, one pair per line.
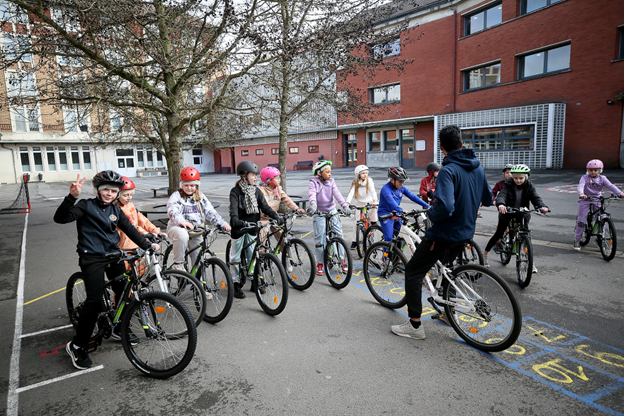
350,150
407,148
125,162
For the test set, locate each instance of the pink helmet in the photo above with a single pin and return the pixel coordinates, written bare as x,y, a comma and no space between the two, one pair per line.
269,173
595,164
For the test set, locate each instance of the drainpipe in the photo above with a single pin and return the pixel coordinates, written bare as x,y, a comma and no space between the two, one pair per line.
454,54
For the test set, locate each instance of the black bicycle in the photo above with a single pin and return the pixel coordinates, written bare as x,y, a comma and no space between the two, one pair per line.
337,260
157,331
600,225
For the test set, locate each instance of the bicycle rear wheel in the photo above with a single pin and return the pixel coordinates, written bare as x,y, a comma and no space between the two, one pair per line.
607,239
338,263
75,297
185,288
299,262
373,234
471,254
359,240
505,247
485,313
167,258
524,261
156,319
217,281
384,273
271,284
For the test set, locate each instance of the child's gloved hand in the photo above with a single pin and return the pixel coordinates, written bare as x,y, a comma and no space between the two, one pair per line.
347,210
312,210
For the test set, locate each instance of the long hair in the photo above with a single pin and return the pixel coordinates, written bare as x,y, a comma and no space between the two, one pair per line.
356,183
196,195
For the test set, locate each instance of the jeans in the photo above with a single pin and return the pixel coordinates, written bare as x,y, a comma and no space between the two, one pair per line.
235,254
320,233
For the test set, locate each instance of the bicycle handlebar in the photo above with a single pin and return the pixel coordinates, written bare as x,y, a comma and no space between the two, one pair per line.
524,210
602,198
403,214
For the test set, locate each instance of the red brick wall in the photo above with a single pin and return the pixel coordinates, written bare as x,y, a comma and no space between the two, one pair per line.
424,131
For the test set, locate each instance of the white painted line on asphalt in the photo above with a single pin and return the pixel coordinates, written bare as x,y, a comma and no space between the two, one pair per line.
54,380
46,330
12,399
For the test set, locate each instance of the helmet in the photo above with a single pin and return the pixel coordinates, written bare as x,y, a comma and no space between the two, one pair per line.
189,174
107,177
359,169
128,184
320,166
508,166
432,166
246,166
595,164
521,169
269,173
398,173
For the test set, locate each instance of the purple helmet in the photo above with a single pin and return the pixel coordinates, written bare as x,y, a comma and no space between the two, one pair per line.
595,164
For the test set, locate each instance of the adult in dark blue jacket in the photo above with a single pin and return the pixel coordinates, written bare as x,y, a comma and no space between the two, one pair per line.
460,189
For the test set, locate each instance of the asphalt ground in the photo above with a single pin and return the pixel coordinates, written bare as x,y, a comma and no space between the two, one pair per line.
329,352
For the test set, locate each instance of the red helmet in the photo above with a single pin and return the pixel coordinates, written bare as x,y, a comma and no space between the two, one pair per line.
189,174
128,184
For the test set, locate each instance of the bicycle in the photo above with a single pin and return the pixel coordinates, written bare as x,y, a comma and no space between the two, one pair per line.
361,227
297,257
336,254
516,240
164,336
211,272
263,268
600,224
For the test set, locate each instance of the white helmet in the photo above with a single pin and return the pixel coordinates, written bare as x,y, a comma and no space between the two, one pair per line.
359,169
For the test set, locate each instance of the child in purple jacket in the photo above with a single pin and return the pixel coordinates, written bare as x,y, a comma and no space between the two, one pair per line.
591,186
321,193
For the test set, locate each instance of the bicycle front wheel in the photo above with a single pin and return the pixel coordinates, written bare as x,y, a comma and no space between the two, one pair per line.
373,234
471,254
156,320
299,262
384,273
524,261
359,240
217,282
338,263
505,248
185,288
271,284
484,311
607,239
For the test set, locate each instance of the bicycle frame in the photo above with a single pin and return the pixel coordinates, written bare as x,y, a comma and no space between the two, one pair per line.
258,245
203,247
598,216
435,291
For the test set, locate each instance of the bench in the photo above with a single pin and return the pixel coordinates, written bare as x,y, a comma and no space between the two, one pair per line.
307,164
225,169
300,201
165,188
273,165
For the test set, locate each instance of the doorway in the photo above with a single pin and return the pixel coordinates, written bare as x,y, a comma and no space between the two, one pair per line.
350,149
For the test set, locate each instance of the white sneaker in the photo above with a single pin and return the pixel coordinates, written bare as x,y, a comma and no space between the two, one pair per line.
485,262
577,245
408,331
178,266
289,267
534,269
208,296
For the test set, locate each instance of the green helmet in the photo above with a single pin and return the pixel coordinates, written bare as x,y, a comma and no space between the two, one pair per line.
521,169
320,166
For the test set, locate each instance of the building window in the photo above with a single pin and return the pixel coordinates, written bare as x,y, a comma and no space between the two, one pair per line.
390,140
86,157
386,50
483,19
76,118
275,151
293,150
159,160
13,44
198,155
386,94
482,77
24,159
527,6
150,157
546,61
75,157
140,161
374,144
259,152
313,149
244,152
407,133
62,158
621,53
499,138
51,158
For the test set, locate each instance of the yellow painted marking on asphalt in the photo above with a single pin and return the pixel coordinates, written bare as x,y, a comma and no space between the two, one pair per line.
44,296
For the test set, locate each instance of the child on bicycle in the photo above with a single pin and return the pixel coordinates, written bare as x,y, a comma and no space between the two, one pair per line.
590,186
321,193
390,200
97,220
187,209
517,192
427,184
246,203
499,185
363,190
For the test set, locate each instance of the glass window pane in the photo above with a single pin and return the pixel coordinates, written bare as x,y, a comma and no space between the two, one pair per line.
391,140
558,58
492,74
375,141
533,64
494,15
394,93
487,145
519,131
63,159
475,23
25,162
159,160
140,161
38,159
130,162
150,159
86,159
486,134
475,78
51,159
20,120
519,144
75,160
124,152
379,95
33,119
534,5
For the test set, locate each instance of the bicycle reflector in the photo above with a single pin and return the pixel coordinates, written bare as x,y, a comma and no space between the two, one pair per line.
159,309
474,330
223,284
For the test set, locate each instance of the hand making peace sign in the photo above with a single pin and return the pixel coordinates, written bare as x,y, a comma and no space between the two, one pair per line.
76,187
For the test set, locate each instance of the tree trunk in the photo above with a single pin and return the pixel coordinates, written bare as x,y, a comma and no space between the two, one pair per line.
174,161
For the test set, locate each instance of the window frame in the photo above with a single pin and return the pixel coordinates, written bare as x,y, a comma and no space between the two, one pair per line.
275,150
466,75
483,10
244,152
523,6
311,149
546,50
370,141
621,48
293,150
51,159
379,50
259,152
387,88
470,143
386,140
24,151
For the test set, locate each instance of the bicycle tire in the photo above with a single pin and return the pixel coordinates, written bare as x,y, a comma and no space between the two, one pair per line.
333,261
184,287
75,296
155,319
496,323
608,245
242,278
167,259
587,232
359,240
385,274
506,246
471,254
217,280
524,261
271,285
373,234
299,257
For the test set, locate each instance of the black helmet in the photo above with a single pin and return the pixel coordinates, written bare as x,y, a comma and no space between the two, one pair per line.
397,173
432,166
508,166
108,177
246,166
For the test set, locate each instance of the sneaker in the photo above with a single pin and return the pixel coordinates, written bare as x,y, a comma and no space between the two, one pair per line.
208,295
289,267
345,267
79,356
497,248
353,245
116,335
577,245
534,270
319,269
485,262
408,331
444,319
238,292
178,266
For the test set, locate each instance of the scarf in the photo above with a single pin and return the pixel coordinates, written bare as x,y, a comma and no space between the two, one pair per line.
251,203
